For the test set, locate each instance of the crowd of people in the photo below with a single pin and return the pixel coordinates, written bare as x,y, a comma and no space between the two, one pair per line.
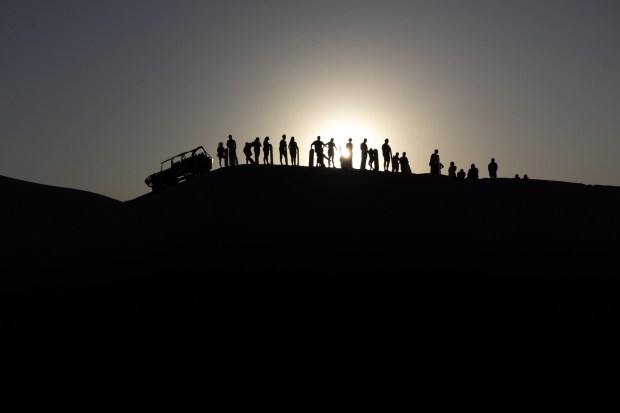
322,155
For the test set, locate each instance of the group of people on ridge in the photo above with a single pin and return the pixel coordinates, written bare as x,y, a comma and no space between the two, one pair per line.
369,157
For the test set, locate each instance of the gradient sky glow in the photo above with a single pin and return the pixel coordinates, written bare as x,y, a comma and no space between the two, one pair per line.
95,94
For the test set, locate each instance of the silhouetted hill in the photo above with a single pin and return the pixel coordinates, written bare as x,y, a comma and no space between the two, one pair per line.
31,211
419,242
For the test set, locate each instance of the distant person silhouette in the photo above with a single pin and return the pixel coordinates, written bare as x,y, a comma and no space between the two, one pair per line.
293,149
222,154
375,155
525,176
435,164
283,150
472,173
247,150
405,168
231,145
517,176
387,154
364,150
318,146
330,153
492,169
349,160
266,150
395,162
461,175
256,145
371,159
452,170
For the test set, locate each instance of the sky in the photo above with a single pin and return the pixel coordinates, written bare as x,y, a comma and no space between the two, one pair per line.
95,94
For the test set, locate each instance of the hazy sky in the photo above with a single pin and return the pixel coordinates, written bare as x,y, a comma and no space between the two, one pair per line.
95,94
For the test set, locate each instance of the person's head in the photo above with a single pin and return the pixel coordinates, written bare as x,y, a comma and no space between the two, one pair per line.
387,140
283,137
220,144
350,140
266,138
331,140
452,163
404,153
257,139
396,154
492,159
473,165
436,151
365,140
229,136
525,176
318,138
292,139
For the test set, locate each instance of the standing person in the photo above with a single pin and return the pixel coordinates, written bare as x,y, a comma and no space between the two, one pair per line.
283,150
231,145
387,154
318,151
266,150
472,173
349,160
247,151
293,149
222,154
371,159
330,153
256,145
452,170
364,149
404,164
395,162
435,164
492,169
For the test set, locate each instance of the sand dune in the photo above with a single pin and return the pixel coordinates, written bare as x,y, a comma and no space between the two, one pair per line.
298,233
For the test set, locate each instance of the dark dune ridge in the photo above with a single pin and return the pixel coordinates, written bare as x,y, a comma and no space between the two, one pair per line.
31,211
431,245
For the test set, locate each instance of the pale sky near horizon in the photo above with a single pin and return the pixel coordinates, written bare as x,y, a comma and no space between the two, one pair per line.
95,94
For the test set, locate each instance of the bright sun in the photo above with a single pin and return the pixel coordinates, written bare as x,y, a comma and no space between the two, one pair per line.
342,130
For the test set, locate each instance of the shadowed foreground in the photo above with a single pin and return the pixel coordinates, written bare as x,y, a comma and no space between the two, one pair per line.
401,245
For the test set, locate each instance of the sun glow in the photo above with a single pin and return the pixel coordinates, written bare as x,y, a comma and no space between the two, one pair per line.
342,130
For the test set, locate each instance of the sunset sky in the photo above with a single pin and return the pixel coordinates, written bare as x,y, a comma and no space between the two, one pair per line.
95,94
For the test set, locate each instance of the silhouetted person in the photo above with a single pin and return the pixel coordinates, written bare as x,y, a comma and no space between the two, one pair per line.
231,145
283,150
247,151
525,176
404,164
395,162
293,149
222,154
435,164
256,145
318,146
472,173
461,175
349,160
387,154
364,149
452,170
371,159
376,158
492,169
266,150
330,153
517,176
